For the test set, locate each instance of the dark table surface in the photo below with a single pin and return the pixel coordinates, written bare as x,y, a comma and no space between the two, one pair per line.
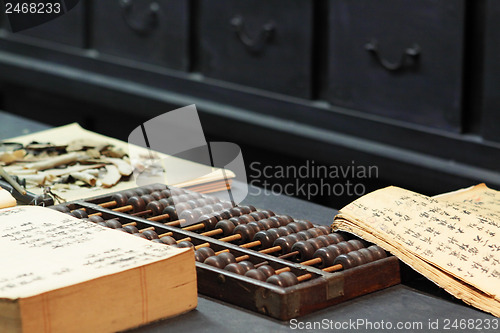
419,310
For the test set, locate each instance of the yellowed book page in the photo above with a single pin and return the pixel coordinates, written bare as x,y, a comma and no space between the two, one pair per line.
43,250
479,198
464,244
177,167
454,286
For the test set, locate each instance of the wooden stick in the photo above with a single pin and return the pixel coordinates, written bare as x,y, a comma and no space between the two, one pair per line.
11,181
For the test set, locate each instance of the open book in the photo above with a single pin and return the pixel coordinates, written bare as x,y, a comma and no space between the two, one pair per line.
62,274
453,239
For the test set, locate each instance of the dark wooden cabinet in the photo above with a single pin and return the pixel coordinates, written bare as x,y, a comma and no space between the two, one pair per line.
152,31
407,85
68,29
490,99
401,59
265,44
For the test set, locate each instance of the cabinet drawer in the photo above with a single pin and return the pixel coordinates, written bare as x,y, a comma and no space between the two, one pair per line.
263,44
398,58
154,32
66,29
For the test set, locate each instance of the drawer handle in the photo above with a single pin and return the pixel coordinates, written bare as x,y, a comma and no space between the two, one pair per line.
258,43
149,20
408,58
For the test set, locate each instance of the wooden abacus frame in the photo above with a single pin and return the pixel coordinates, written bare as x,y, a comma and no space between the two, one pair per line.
322,290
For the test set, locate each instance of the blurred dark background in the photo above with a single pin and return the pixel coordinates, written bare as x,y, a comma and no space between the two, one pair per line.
409,86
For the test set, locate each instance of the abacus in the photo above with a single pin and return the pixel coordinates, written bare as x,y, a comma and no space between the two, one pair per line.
266,262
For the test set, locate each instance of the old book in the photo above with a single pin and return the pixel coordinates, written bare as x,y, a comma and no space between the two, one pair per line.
6,199
61,274
452,239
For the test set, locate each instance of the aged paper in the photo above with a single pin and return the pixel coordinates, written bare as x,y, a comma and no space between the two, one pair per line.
455,244
43,250
177,167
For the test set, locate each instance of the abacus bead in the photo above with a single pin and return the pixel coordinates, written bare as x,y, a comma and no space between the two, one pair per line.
181,206
166,193
137,202
217,207
254,226
264,224
247,265
226,226
159,187
308,224
131,229
148,188
172,213
345,260
324,240
276,220
256,274
268,213
316,243
314,232
207,209
287,218
265,239
147,198
327,256
189,216
324,229
185,244
377,251
252,208
208,221
245,210
168,240
246,231
128,194
227,257
295,227
367,254
357,244
235,220
201,202
150,234
215,261
358,257
273,222
155,207
225,214
140,191
183,198
164,202
346,247
304,234
236,211
335,238
274,234
138,234
286,242
120,199
284,231
96,218
227,204
206,252
235,268
160,242
199,257
285,279
246,219
60,208
78,213
103,224
257,215
267,270
306,250
157,196
113,223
